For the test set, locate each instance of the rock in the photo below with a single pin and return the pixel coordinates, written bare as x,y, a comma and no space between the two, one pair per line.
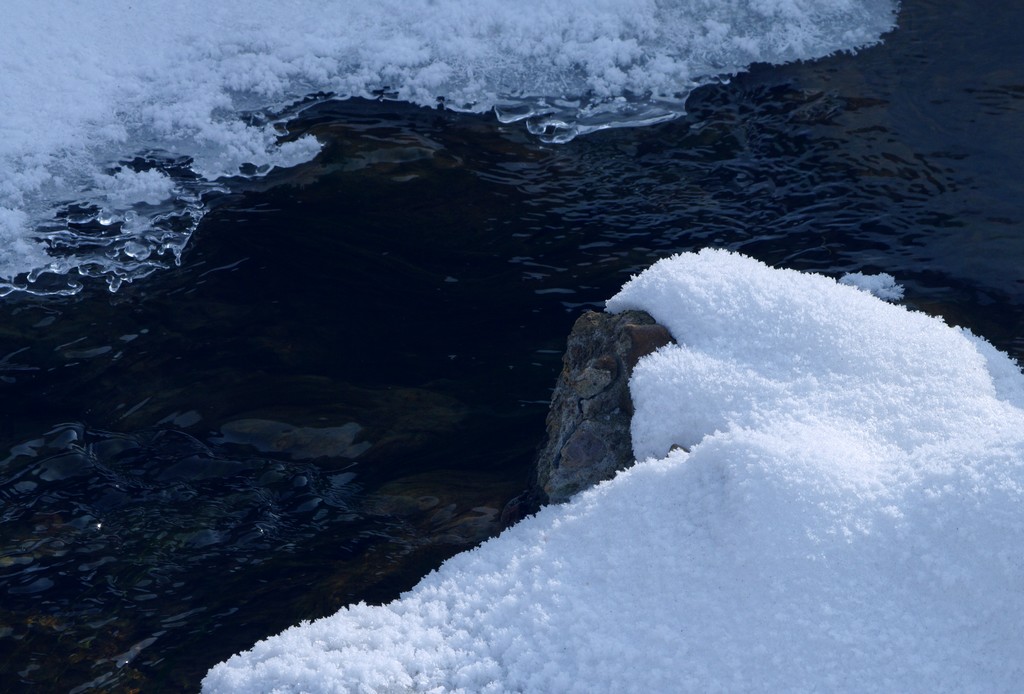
300,443
588,423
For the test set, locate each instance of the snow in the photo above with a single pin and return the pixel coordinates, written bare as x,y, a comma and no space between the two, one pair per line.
882,285
829,498
92,84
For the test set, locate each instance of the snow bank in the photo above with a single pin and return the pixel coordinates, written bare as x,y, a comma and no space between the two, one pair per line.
195,88
830,499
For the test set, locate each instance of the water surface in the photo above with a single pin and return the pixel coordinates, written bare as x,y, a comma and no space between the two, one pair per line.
345,380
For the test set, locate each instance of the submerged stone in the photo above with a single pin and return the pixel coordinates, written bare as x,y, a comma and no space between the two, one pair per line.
301,443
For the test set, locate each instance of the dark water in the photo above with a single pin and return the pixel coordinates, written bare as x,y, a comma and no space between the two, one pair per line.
346,379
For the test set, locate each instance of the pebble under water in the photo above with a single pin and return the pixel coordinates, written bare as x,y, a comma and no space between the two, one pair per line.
346,379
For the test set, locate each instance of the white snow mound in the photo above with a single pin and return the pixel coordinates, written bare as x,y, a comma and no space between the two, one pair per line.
830,499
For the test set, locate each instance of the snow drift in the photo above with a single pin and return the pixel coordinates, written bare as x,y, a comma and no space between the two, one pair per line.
829,498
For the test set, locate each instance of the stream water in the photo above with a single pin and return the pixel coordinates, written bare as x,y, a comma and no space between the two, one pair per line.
346,378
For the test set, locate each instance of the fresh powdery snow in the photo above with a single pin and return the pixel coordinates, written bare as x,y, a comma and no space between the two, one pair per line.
829,499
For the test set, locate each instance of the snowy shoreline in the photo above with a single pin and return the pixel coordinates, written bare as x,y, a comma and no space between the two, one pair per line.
151,105
848,516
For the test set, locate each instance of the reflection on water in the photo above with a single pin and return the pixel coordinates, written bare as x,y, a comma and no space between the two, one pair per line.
345,380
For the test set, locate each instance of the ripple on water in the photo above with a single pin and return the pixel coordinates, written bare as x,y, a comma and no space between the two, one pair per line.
94,519
133,546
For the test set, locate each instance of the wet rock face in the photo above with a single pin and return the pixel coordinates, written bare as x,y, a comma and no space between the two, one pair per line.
588,424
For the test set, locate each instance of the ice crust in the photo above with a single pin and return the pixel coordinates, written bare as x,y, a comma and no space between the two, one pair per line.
829,499
90,85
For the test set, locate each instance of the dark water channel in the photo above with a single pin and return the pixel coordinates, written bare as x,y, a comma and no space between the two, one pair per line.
346,379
